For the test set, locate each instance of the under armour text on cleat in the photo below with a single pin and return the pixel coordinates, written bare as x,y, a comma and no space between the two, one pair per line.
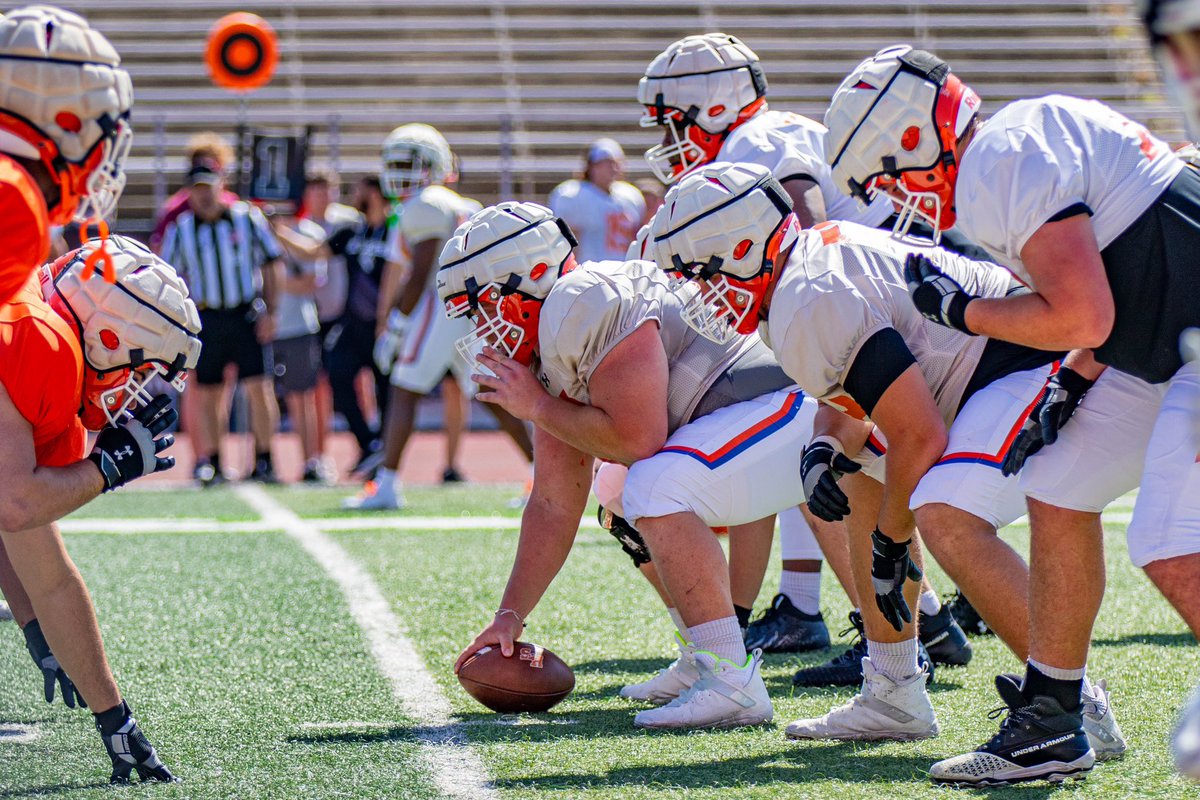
944,640
725,695
1038,740
884,709
783,628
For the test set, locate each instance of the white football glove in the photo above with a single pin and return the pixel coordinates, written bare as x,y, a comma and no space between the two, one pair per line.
387,346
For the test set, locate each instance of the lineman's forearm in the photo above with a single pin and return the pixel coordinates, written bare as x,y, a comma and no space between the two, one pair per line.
48,494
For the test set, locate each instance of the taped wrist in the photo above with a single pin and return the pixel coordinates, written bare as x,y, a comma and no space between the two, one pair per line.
887,548
1072,381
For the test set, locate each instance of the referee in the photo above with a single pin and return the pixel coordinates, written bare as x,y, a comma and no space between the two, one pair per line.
232,265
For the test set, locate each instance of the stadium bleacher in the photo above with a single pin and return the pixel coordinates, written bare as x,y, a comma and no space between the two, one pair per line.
520,86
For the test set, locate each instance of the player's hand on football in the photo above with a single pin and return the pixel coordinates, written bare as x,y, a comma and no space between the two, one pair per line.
891,565
52,672
389,340
127,451
511,385
936,295
129,750
504,629
820,468
1064,392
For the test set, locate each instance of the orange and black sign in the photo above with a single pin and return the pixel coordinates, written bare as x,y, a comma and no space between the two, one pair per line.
242,52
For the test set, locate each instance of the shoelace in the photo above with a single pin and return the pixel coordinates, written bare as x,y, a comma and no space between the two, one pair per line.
1016,716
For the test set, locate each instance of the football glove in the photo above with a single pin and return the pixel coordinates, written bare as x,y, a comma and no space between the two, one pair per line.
387,346
52,672
821,466
130,450
890,566
129,749
1064,391
936,295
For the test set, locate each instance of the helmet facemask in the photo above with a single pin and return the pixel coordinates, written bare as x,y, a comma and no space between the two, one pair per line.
403,176
109,398
106,181
686,145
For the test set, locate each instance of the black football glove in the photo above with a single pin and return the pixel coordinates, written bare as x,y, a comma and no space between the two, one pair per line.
1064,391
936,295
52,672
129,749
820,468
130,450
890,566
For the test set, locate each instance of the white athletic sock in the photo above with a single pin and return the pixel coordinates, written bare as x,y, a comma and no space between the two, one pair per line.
803,589
385,482
722,637
678,620
1059,674
929,603
897,660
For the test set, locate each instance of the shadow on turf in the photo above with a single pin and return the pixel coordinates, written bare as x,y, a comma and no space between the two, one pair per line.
1181,639
46,791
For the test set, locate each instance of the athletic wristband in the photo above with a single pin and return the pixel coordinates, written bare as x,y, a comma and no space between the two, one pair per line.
1072,381
887,547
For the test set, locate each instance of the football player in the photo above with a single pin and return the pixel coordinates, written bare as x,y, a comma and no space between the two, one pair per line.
833,307
78,355
64,134
707,428
415,343
708,93
1101,221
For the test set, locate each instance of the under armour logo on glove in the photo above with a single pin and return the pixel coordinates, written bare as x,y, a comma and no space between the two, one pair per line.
936,295
123,453
130,450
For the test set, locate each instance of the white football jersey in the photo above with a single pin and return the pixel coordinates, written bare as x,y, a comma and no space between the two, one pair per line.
793,146
604,223
594,307
432,213
842,284
1046,158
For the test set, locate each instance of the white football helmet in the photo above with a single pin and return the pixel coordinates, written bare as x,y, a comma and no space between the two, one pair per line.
498,268
893,125
140,327
724,226
414,156
700,88
1174,28
65,102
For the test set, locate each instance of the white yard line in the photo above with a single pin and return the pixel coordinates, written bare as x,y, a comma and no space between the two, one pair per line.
363,523
456,768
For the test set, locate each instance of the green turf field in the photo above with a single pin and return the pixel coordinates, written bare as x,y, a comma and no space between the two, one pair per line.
241,659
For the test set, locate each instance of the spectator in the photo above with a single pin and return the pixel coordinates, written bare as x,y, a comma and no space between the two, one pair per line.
204,148
232,264
297,347
652,195
350,343
604,211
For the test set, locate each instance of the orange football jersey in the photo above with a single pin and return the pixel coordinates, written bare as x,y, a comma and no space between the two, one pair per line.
24,228
41,368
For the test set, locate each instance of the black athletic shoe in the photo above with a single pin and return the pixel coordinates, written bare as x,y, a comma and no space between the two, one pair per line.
1038,740
944,639
783,628
966,616
451,475
263,472
845,669
208,475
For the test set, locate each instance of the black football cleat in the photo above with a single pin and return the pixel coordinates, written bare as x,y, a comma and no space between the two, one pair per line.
845,669
944,640
783,628
1037,741
966,616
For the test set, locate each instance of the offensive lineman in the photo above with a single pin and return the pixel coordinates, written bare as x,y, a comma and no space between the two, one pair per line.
834,309
1102,222
78,355
415,344
623,375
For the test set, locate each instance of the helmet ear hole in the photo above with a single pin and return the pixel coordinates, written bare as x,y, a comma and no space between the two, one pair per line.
742,248
538,270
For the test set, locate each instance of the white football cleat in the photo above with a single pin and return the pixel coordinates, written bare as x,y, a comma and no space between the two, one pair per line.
372,498
1185,741
882,710
669,683
1103,732
724,696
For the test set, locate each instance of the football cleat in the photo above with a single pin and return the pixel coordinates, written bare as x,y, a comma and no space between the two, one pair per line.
372,498
1185,740
669,683
883,710
1099,723
451,475
845,669
966,616
783,628
1038,740
5,612
724,696
207,475
944,640
263,472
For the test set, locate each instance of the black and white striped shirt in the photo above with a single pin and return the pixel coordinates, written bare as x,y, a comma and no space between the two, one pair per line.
221,261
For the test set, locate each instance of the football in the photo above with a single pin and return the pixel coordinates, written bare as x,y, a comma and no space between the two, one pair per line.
532,680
